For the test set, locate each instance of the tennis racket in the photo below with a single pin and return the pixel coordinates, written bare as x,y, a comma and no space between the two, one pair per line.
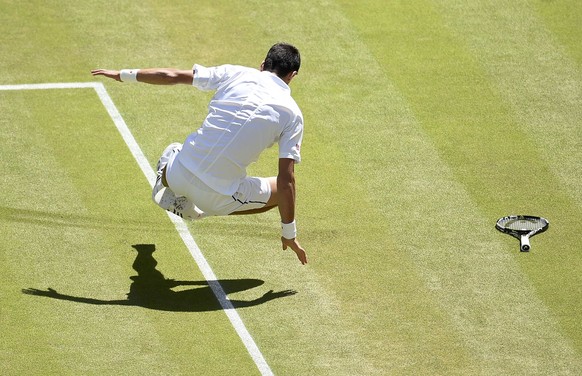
522,227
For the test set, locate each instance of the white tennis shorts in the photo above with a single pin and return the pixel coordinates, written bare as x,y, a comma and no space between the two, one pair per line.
252,193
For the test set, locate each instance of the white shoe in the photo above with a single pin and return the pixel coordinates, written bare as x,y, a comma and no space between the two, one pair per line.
165,198
166,154
181,206
186,209
161,195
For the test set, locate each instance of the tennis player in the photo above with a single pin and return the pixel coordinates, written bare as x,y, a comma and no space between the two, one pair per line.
250,111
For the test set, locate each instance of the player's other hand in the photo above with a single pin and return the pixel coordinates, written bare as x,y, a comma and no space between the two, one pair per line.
107,73
294,245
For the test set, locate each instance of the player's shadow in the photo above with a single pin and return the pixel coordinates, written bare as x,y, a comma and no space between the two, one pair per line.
150,289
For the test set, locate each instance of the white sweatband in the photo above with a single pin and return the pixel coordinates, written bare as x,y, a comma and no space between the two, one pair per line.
128,75
289,230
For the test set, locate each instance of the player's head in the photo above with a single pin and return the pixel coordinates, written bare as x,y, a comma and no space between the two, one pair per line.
284,60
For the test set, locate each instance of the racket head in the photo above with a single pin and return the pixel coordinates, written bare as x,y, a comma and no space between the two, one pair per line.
522,224
522,227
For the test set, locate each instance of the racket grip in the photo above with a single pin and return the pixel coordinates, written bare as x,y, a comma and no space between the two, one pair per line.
524,243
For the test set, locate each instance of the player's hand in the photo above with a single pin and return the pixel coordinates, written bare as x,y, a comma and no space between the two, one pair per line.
294,245
107,73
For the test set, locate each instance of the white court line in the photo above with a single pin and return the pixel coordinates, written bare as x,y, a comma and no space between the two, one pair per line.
179,223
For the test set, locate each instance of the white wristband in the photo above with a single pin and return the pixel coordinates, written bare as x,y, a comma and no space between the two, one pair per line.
289,230
128,75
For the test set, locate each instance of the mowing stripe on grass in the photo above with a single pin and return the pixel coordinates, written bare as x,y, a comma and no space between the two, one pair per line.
533,73
180,225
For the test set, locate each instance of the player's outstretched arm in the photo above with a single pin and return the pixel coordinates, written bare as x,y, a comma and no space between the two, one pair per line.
154,76
286,193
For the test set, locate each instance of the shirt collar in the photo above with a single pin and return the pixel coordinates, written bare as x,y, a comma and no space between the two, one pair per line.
278,80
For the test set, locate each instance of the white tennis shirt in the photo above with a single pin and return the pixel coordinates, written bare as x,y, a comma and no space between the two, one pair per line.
250,111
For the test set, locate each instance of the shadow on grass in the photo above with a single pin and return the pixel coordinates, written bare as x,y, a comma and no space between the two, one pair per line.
150,289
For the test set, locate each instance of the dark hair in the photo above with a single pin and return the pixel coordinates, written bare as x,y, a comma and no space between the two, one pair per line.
282,59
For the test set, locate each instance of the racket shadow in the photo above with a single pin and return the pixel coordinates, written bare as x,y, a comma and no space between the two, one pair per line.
151,289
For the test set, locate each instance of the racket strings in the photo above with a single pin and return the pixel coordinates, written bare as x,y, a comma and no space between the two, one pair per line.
523,224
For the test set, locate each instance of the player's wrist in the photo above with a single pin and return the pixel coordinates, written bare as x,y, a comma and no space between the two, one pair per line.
289,230
128,75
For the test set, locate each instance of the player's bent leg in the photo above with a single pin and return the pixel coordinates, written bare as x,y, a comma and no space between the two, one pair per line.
253,211
274,198
271,203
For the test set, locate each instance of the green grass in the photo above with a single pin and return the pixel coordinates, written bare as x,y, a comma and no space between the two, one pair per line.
425,122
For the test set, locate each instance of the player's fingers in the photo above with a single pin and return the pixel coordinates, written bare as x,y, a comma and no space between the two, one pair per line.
301,255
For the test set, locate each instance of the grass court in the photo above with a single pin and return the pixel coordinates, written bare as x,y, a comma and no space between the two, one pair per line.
425,121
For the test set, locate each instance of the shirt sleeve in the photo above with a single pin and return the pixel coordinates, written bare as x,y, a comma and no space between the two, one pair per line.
290,140
209,78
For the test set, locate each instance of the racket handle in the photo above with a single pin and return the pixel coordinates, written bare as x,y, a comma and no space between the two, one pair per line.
524,243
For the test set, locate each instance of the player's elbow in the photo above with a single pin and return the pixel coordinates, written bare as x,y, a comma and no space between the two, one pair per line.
170,76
